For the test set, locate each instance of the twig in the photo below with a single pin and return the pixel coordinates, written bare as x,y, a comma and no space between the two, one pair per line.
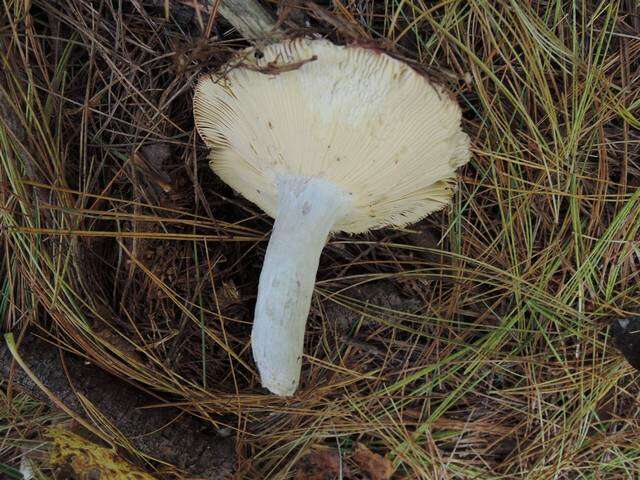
249,17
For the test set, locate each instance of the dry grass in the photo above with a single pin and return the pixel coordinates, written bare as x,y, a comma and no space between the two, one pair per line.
492,358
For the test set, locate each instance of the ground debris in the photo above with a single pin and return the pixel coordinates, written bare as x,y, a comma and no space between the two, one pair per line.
321,464
149,161
375,465
626,338
275,68
327,464
77,383
74,457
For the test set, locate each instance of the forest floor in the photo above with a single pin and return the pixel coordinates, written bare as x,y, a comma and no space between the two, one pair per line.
474,345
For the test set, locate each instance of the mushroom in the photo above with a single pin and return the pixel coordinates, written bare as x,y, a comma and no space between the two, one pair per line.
323,138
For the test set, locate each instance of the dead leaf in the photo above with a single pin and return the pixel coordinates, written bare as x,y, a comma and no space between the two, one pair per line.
626,338
149,161
75,457
376,466
321,464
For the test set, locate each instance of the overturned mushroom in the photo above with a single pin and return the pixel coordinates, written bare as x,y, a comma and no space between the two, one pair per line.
323,138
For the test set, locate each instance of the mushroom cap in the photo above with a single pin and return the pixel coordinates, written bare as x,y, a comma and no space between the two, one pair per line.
351,115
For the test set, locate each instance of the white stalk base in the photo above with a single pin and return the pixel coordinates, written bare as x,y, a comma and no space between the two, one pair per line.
308,208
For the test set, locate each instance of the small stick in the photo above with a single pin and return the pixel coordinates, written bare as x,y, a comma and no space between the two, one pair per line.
249,18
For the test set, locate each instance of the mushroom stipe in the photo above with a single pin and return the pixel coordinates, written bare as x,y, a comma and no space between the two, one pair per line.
351,141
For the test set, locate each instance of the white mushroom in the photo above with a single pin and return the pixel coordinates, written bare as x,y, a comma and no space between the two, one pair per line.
323,138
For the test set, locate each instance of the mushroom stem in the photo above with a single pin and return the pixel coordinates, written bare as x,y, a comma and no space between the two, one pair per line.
308,208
